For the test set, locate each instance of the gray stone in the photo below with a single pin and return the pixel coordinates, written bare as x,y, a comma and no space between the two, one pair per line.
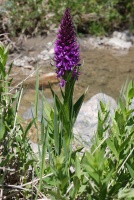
43,55
117,43
20,62
125,36
87,120
51,51
29,114
24,61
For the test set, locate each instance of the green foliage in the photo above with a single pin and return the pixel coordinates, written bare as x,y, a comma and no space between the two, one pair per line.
109,164
94,16
103,172
15,151
26,17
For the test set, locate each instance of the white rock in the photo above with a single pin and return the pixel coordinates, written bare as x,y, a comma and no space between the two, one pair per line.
51,51
30,67
19,62
87,120
43,57
23,61
44,52
35,147
125,36
132,106
49,44
119,44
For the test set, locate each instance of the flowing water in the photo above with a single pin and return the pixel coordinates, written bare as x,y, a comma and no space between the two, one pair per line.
103,70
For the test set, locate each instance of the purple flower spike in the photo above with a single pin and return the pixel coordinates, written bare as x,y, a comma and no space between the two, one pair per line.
67,51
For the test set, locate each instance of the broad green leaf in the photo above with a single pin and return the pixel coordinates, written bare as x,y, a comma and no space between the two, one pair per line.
103,107
126,142
131,93
91,173
111,145
78,104
76,182
131,171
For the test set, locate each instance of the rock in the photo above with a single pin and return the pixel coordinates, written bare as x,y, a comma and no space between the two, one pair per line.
51,51
24,61
30,59
132,106
44,80
34,146
29,67
87,120
44,52
43,55
28,115
125,36
117,43
19,62
49,44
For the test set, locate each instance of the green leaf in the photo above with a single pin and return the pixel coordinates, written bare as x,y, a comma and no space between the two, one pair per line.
10,67
76,182
103,107
2,129
27,129
131,171
2,70
77,167
56,129
92,174
78,104
126,193
131,93
111,145
36,95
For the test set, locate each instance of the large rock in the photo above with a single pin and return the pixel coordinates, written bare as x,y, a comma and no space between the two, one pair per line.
87,120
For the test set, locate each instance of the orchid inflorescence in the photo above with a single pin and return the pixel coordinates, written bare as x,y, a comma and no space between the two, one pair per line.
67,53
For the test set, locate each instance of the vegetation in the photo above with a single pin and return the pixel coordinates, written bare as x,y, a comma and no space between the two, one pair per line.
99,17
104,172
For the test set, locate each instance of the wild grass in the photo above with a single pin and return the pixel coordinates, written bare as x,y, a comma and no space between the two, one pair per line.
103,172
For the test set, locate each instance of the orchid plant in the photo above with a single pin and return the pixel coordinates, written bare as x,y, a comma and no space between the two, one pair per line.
64,114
